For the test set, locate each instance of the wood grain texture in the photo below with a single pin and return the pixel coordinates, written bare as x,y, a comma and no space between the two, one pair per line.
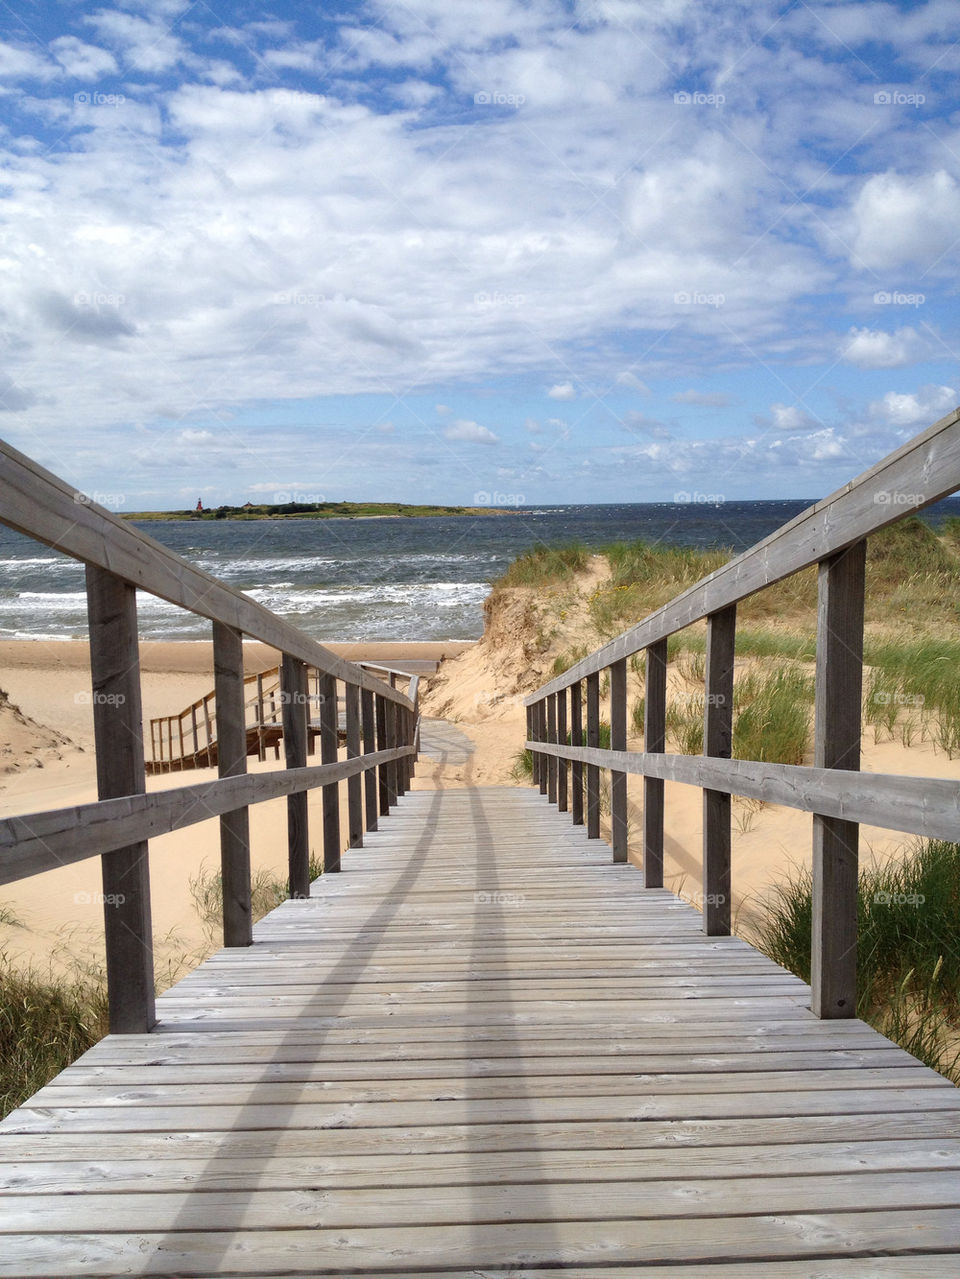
654,741
118,735
718,741
836,745
483,1048
928,806
232,762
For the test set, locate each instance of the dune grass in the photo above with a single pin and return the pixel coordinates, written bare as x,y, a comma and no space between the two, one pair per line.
545,564
46,1022
908,947
267,891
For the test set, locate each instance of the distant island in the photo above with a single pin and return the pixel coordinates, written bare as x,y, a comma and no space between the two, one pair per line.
311,511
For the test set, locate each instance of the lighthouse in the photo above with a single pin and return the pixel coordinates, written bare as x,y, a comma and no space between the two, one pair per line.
199,506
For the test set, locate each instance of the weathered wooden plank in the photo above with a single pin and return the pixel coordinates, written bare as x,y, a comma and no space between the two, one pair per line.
507,1245
293,679
327,686
717,741
351,694
358,1209
837,730
618,742
34,842
654,742
928,806
232,762
467,1168
118,733
593,772
577,739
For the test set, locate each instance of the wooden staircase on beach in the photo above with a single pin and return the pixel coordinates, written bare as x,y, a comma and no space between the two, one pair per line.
484,1042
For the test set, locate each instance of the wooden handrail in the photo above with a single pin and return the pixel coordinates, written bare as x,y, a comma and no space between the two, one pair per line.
119,560
832,535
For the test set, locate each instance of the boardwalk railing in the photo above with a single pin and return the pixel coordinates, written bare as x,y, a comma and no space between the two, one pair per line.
831,534
381,730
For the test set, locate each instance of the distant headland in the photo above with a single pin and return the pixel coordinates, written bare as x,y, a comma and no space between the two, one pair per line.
313,511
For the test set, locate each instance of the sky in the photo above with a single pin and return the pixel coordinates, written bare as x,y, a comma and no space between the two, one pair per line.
509,252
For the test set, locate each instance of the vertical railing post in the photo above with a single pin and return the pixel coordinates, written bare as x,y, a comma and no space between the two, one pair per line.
293,679
390,736
232,762
576,739
562,764
351,694
536,757
543,772
329,716
118,734
718,741
837,730
369,727
593,770
533,760
654,740
383,783
618,742
551,707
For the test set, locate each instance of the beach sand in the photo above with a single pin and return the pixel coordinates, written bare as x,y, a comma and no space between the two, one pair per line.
49,763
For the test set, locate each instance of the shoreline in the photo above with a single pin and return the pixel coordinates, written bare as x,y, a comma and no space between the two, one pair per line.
187,656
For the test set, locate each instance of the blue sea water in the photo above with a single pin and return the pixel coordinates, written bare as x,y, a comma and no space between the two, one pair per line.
380,579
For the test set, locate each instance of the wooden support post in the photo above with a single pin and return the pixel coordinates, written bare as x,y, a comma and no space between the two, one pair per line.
576,739
351,693
839,688
209,728
529,711
293,680
118,734
654,739
535,758
369,726
618,742
383,781
329,753
593,771
261,744
718,740
232,762
390,727
195,732
551,708
562,764
544,771
400,714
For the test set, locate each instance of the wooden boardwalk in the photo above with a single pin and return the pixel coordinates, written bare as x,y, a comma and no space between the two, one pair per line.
483,1049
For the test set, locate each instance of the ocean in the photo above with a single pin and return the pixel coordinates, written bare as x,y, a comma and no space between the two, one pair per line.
380,579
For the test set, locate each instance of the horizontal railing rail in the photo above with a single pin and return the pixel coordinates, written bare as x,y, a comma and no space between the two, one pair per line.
832,535
381,731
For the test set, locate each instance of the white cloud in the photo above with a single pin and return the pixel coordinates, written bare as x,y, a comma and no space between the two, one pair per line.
790,417
562,391
82,61
473,432
918,410
144,45
905,221
876,349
